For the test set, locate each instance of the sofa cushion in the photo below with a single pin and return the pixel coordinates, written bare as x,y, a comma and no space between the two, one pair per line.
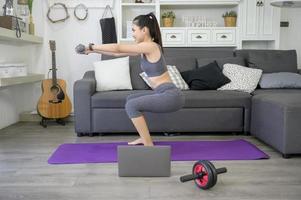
112,99
280,80
194,99
231,60
275,91
270,60
292,100
113,74
214,99
183,63
221,61
135,69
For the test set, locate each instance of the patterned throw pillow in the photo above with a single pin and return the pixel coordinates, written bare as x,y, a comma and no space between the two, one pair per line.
242,78
174,75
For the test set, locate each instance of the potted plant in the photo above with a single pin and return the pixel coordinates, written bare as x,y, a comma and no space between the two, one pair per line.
168,18
31,24
230,18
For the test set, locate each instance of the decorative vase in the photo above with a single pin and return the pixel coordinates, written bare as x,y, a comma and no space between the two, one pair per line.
230,21
31,25
168,22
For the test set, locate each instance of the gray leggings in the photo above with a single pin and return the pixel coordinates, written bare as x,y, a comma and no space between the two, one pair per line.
164,98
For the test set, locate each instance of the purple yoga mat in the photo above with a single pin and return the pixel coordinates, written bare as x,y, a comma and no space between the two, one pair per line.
180,151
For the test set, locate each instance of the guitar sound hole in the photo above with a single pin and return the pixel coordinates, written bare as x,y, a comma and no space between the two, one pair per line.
58,94
54,89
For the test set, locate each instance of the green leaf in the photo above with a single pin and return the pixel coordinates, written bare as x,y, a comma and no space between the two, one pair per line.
30,2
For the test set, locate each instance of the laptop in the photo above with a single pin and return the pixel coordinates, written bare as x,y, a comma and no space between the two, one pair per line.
143,161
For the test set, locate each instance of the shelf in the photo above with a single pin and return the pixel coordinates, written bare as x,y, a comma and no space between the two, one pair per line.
138,4
198,28
30,78
200,2
9,37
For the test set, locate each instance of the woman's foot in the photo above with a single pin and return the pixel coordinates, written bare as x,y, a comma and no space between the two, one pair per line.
140,141
137,141
149,144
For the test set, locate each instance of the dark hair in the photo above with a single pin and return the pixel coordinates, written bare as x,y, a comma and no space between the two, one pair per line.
150,21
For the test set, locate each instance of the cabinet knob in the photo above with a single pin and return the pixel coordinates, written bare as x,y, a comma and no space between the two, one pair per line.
223,36
261,3
257,3
173,36
198,37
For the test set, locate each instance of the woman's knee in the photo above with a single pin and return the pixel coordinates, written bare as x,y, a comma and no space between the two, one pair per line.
132,109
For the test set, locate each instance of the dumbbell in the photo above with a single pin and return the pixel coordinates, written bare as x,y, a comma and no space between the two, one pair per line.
204,174
80,49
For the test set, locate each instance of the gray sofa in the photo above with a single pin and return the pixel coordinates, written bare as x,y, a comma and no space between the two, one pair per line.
204,110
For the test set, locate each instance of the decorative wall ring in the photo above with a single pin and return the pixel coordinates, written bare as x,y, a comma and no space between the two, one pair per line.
83,7
59,20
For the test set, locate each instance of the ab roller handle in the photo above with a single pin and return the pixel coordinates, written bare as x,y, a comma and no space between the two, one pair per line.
204,174
190,177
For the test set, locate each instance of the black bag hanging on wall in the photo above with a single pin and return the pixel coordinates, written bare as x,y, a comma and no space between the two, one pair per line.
108,27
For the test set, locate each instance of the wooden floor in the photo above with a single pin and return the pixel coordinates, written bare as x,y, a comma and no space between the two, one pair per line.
25,174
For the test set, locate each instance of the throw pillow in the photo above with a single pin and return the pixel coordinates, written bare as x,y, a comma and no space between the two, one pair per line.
242,78
113,74
208,77
174,75
280,80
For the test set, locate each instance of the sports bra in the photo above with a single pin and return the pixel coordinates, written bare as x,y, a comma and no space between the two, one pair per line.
153,69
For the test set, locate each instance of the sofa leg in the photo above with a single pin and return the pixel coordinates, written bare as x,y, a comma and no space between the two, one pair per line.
171,134
247,133
286,156
80,134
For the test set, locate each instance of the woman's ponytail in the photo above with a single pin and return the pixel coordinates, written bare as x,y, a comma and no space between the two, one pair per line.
150,21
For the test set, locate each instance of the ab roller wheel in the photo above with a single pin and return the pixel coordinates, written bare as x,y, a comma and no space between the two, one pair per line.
204,174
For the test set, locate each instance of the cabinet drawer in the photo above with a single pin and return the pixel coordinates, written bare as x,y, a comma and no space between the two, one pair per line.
198,37
173,36
224,36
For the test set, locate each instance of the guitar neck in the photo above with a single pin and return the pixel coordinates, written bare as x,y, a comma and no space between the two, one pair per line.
54,79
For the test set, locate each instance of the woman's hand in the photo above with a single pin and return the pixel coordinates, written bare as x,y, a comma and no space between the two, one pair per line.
88,51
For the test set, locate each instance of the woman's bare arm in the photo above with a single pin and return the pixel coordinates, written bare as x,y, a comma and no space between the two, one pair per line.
143,47
115,54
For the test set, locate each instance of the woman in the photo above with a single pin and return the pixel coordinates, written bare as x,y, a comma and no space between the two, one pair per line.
165,97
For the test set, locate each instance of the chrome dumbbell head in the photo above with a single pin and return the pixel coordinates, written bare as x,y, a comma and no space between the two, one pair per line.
80,49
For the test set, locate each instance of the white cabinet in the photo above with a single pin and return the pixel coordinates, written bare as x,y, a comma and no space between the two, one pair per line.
199,37
224,37
172,36
260,20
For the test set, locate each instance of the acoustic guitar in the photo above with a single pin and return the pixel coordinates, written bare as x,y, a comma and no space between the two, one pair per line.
54,102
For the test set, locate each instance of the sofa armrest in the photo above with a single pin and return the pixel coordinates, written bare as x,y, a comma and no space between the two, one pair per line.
82,91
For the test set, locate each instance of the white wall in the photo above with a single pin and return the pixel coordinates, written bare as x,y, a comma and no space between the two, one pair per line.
290,37
71,66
